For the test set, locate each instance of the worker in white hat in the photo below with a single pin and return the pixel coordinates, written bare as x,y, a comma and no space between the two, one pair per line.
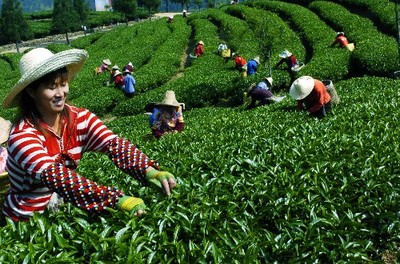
262,93
50,137
166,116
311,95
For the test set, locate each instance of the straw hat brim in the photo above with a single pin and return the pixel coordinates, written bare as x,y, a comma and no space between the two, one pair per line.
72,59
5,126
301,87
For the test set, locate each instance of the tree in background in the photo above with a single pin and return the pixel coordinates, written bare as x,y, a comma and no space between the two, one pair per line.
65,18
182,2
13,26
127,7
82,9
152,6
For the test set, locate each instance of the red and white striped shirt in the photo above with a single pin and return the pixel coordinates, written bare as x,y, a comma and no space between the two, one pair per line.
39,165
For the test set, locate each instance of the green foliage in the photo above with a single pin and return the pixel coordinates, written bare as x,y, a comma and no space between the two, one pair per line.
268,185
127,7
13,25
65,17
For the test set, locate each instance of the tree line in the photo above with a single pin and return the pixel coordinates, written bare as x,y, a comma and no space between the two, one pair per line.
67,16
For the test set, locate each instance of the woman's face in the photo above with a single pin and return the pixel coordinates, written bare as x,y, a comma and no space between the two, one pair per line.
50,97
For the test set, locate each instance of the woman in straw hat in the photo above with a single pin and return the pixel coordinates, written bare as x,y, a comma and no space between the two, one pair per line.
105,66
311,95
5,126
252,65
262,93
167,116
199,49
49,138
118,80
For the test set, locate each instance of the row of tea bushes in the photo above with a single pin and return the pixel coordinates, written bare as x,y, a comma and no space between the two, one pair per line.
321,61
273,33
374,51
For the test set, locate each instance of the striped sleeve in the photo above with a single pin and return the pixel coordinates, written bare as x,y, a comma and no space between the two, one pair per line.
92,130
27,150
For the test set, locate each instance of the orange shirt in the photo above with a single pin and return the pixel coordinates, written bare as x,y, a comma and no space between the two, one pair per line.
318,97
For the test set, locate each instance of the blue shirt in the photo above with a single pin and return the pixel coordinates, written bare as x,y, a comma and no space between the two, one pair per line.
129,84
251,67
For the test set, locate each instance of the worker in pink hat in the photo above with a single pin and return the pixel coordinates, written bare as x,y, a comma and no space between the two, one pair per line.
311,95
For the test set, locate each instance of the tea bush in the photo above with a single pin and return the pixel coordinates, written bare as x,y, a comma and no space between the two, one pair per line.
268,185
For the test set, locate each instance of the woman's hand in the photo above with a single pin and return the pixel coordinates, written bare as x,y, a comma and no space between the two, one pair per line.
161,179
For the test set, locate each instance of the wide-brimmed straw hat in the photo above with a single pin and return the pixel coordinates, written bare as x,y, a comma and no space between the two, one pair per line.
301,87
257,59
117,72
127,71
5,126
39,62
339,33
115,67
200,42
169,100
285,54
107,61
269,80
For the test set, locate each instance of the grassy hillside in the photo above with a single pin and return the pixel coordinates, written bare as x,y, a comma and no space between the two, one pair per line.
267,185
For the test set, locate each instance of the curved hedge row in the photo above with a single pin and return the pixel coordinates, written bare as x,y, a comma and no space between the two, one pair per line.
374,51
324,62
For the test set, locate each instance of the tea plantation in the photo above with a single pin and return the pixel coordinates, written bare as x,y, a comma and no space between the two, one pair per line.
267,185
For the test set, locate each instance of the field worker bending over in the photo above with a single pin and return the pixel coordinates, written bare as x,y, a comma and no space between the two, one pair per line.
105,66
129,67
5,126
49,138
342,41
119,80
129,84
199,49
293,65
311,95
166,116
112,74
252,65
262,93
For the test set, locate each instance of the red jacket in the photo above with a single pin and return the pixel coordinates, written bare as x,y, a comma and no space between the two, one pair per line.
240,61
342,40
199,50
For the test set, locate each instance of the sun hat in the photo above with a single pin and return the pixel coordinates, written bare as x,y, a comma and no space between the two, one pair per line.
285,54
130,64
5,126
269,80
169,99
115,67
301,87
339,33
40,61
257,59
127,71
107,61
117,72
200,42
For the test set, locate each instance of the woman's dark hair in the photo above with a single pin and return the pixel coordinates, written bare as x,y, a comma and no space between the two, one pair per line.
26,105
